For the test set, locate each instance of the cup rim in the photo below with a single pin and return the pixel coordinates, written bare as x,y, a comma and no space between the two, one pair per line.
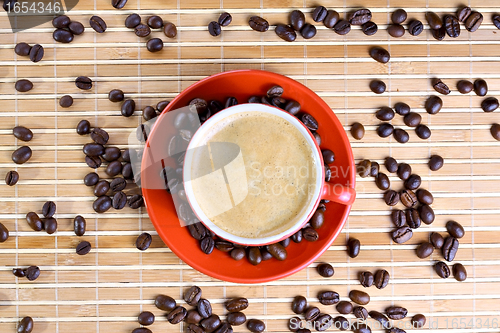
312,204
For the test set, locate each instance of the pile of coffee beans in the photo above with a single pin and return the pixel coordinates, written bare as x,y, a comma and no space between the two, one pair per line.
133,21
34,52
66,29
31,273
215,27
449,248
48,223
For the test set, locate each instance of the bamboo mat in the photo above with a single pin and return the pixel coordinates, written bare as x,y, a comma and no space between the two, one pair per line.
105,290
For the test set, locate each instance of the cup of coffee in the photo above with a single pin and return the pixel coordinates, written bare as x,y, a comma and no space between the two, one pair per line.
253,175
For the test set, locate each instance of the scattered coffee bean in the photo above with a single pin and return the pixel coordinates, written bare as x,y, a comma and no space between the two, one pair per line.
207,245
369,28
489,104
436,162
341,323
297,237
464,86
433,104
408,198
312,313
440,87
146,318
360,16
357,131
22,133
4,233
381,318
439,34
237,304
21,155
418,321
83,127
83,248
442,269
278,251
377,86
374,169
63,36
379,54
332,17
193,317
308,31
452,26
459,272
415,27
119,200
118,184
455,229
366,279
22,49
102,204
79,225
496,20
450,248
256,326
142,30
342,27
25,325
61,21
204,308
165,303
154,45
143,241
473,21
391,198
413,182
412,119
382,181
353,247
328,156
309,121
93,161
463,13
325,270
434,20
328,297
480,87
214,28
136,201
177,315
66,101
400,135
396,312
155,22
99,136
391,164
396,30
32,273
402,235
83,82
23,85
36,53
225,19
116,95
19,272
399,16
98,24
363,168
132,21
381,279
76,28
425,197
398,217
359,297
436,240
170,30
404,171
297,19
423,132
413,218
299,304
385,113
344,307
285,32
259,24
11,178
424,250
319,14
49,209
93,149
128,108
254,256
142,330
118,4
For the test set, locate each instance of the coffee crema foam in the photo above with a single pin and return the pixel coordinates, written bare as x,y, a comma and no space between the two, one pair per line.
280,171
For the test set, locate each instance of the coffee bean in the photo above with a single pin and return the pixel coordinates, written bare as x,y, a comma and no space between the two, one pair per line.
83,248
413,218
297,19
434,20
424,250
4,233
207,245
299,304
382,181
25,325
214,28
480,87
308,31
83,127
426,214
22,133
381,318
404,171
396,312
22,49
93,161
36,53
398,217
146,318
118,184
91,179
132,21
357,131
116,95
325,270
256,326
396,30
76,28
442,270
377,86
344,307
254,256
489,104
369,28
143,241
312,313
391,198
319,14
436,240
66,101
413,182
118,4
98,24
192,316
400,135
399,16
433,104
436,162
408,198
331,18
473,21
32,273
328,297
374,169
19,272
366,279
450,248
102,204
496,20
440,87
297,237
259,24
423,132
341,323
49,209
99,136
360,16
278,251
412,119
11,178
93,149
425,197
439,34
224,328
128,108
342,27
385,113
136,201
63,36
463,13
309,121
237,304
142,330
323,322
177,315
415,27
155,22
119,200
364,167
165,303
452,26
381,279
142,30
418,321
79,225
455,229
402,235
154,45
34,221
379,54
204,308
328,156
459,272
391,164
23,85
60,22
285,32
83,82
160,106
317,219
353,247
359,297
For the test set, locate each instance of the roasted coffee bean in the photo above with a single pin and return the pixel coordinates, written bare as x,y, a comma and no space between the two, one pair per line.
459,272
154,45
385,113
143,241
341,323
391,198
436,240
342,27
357,131
207,245
319,14
353,247
155,22
278,251
496,20
424,250
118,184
259,24
418,321
111,154
132,21
22,133
374,169
464,86
49,209
309,234
384,130
83,82
309,121
193,328
285,32
433,104
404,171
455,229
93,149
98,24
204,308
149,113
11,178
254,256
423,132
142,330
408,198
119,200
200,104
440,87
489,104
25,325
36,53
99,136
34,221
359,297
225,19
332,17
116,95
328,156
83,127
197,230
399,16
436,162
317,220
63,36
415,27
369,28
66,101
146,318
79,225
413,182
391,164
308,31
177,315
222,245
161,105
22,49
256,326
230,101
425,197
400,135
381,279
328,297
297,237
381,318
450,248
398,217
379,54
224,328
463,13
426,214
480,87
363,168
366,279
360,16
396,30
413,218
4,233
142,30
442,270
214,28
76,28
402,235
118,4
91,179
211,323
32,273
382,181
434,20
165,303
323,322
377,86
344,307
19,272
128,108
439,34
452,26
170,30
473,21
396,312
325,270
312,313
83,248
237,304
192,316
297,19
299,304
23,85
93,161
294,323
102,204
